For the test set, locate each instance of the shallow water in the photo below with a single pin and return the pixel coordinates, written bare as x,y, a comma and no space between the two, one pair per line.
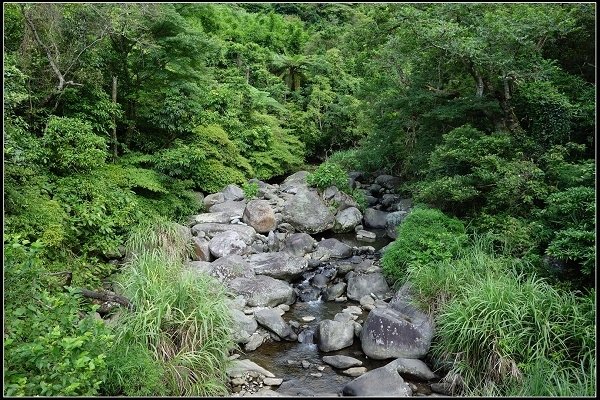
274,356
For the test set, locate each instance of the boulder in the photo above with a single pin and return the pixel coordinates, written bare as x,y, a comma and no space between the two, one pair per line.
213,199
334,291
392,220
360,285
414,367
239,368
263,291
217,217
388,181
230,207
306,212
342,362
383,381
332,248
347,219
403,205
227,268
271,320
247,233
232,192
299,244
279,265
200,267
226,243
388,200
243,322
259,215
399,330
334,335
294,182
374,218
201,249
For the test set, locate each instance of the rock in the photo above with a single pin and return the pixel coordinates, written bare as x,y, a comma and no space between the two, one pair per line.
352,310
366,235
371,200
272,381
316,375
213,199
403,205
355,371
342,362
264,392
330,192
271,320
347,219
229,207
305,364
227,268
360,285
332,248
203,267
299,244
256,339
442,388
279,265
389,201
392,221
259,215
294,181
244,322
308,318
399,330
307,213
375,218
226,243
414,367
232,192
240,367
334,291
334,335
201,251
381,381
218,217
367,302
247,233
263,290
388,181
375,189
306,336
286,228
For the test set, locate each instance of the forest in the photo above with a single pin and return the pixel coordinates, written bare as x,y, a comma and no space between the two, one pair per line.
119,118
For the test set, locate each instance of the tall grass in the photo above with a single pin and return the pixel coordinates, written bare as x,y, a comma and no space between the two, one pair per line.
504,332
180,319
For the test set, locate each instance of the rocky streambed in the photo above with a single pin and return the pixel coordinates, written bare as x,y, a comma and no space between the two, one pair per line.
313,312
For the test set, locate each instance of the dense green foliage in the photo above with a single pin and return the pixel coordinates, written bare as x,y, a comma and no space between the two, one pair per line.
118,114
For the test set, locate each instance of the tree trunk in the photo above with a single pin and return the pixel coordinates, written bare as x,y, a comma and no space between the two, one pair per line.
114,132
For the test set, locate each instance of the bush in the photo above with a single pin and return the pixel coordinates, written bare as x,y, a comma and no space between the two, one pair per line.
49,349
425,236
329,174
72,146
250,190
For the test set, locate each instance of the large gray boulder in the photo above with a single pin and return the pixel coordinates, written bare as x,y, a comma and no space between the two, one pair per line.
374,218
247,233
296,181
227,268
388,181
299,244
278,265
270,319
227,243
414,367
243,325
263,291
383,381
392,220
230,207
331,248
335,335
397,331
232,192
347,219
360,285
259,215
306,212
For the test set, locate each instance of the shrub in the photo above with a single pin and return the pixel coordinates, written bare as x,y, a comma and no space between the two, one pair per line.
425,236
250,190
49,349
329,174
72,146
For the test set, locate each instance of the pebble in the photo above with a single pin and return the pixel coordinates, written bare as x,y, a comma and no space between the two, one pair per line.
316,374
305,364
321,367
341,299
308,318
355,371
273,381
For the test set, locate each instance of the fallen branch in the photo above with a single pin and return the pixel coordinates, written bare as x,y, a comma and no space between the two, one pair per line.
109,297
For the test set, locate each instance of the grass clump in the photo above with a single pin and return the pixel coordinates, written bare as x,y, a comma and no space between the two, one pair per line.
181,327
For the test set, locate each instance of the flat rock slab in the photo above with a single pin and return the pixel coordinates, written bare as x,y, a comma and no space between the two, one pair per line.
240,367
342,362
278,265
247,233
414,367
332,248
360,285
306,212
355,371
378,382
264,291
271,319
216,217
